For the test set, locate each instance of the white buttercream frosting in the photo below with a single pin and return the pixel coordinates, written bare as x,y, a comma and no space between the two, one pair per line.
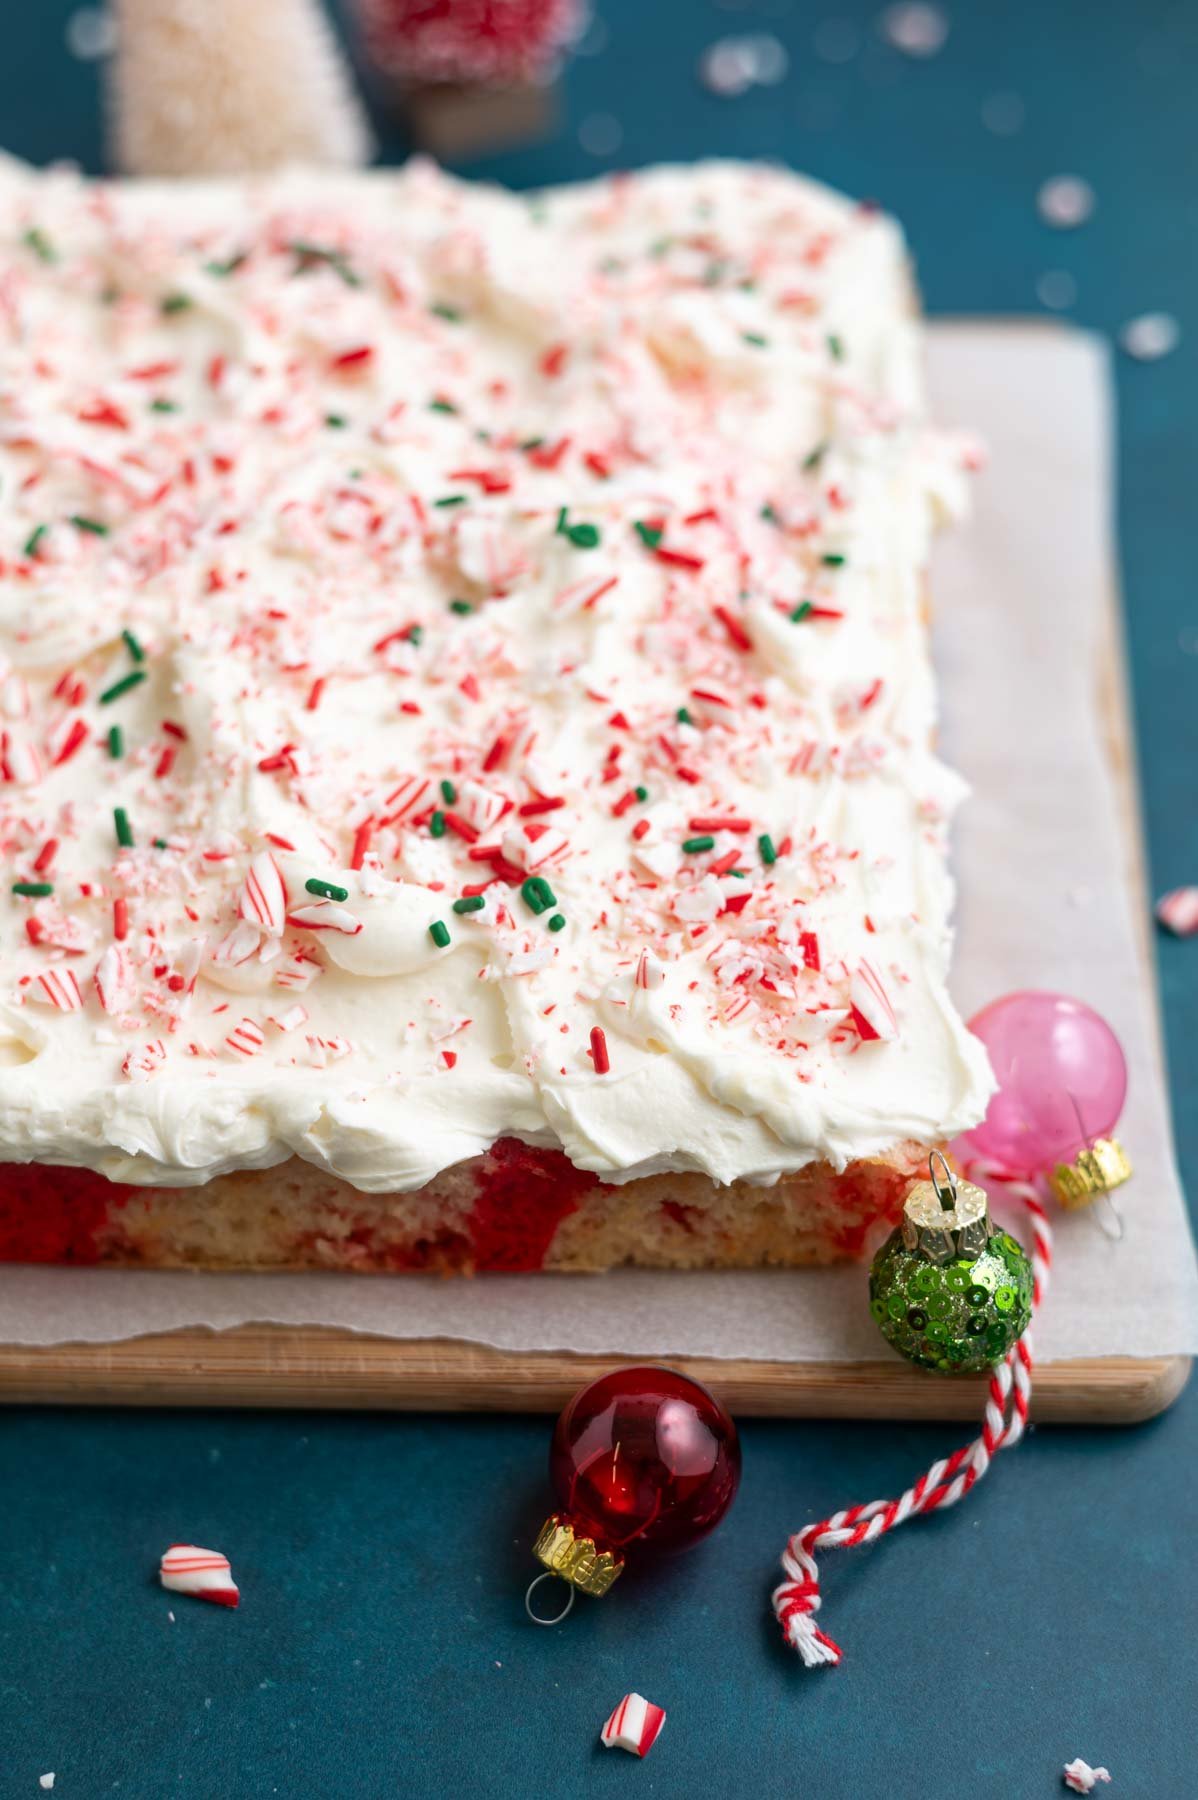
617,498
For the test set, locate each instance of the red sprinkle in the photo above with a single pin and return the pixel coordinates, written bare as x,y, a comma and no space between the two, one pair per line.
45,856
554,360
75,737
599,1054
362,837
461,827
721,825
173,730
314,693
678,559
533,808
165,762
120,918
496,753
733,627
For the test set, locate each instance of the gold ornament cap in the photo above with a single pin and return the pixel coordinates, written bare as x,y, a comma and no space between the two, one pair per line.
575,1558
1097,1169
944,1217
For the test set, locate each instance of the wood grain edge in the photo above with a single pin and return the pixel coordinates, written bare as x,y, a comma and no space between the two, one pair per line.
312,1366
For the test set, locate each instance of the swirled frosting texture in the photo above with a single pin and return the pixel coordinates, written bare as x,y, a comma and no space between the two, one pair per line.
436,545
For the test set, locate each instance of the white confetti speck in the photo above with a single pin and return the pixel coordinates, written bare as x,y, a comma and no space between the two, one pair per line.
91,33
915,28
1079,1776
837,40
1003,114
1151,336
1056,288
1065,201
46,1780
770,60
600,134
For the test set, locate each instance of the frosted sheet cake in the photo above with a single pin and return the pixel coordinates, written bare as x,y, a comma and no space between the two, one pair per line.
467,781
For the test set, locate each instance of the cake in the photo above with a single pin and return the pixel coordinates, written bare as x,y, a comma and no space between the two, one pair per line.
467,769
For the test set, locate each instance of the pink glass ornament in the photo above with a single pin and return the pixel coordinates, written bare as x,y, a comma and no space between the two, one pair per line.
1062,1081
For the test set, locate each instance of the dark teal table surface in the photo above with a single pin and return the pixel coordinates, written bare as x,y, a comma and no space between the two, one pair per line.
381,1649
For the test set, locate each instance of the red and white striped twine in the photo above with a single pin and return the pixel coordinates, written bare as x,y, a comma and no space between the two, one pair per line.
797,1600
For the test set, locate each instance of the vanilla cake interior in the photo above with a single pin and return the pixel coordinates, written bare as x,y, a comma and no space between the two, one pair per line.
467,769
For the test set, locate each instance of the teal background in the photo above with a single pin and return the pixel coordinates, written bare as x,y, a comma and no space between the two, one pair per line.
381,1649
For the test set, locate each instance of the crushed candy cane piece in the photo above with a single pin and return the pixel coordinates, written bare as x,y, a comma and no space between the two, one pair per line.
186,1569
635,1725
1079,1776
1177,911
326,916
264,897
870,1005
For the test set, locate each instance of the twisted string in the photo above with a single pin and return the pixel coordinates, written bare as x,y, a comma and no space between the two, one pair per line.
797,1599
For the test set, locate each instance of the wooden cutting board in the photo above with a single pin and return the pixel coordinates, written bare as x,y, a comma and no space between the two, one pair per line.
302,1366
311,1366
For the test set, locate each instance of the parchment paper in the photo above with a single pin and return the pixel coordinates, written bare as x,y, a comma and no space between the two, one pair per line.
1050,896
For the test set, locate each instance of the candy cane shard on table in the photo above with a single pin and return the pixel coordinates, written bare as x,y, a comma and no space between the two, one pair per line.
205,1574
635,1725
502,620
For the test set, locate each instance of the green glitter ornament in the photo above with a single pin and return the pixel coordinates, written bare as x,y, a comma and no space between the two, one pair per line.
948,1289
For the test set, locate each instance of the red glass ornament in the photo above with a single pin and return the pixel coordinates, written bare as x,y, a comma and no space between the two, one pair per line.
642,1460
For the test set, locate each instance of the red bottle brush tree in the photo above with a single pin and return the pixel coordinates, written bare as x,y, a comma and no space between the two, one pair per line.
495,43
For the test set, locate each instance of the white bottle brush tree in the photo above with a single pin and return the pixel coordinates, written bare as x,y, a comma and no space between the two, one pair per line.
205,87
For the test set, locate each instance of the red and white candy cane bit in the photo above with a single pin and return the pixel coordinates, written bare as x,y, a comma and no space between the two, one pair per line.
1177,911
635,1725
186,1569
797,1600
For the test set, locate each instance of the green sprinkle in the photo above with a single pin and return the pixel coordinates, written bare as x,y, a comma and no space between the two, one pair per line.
228,267
532,443
439,932
755,338
34,539
81,522
116,742
175,303
562,516
122,686
770,514
642,793
530,892
451,314
325,890
437,824
33,890
40,244
650,535
161,844
583,537
311,254
694,846
335,421
124,831
835,348
557,922
134,648
683,717
164,406
449,793
452,500
834,560
461,607
543,888
765,844
815,457
442,406
415,634
470,903
801,611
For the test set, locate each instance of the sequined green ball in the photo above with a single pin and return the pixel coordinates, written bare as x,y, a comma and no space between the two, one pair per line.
961,1316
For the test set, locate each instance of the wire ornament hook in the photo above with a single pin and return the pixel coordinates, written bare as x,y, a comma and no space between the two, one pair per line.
534,1584
946,1190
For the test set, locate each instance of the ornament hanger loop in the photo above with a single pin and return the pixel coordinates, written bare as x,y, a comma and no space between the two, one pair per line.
1108,1218
946,1190
537,1618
